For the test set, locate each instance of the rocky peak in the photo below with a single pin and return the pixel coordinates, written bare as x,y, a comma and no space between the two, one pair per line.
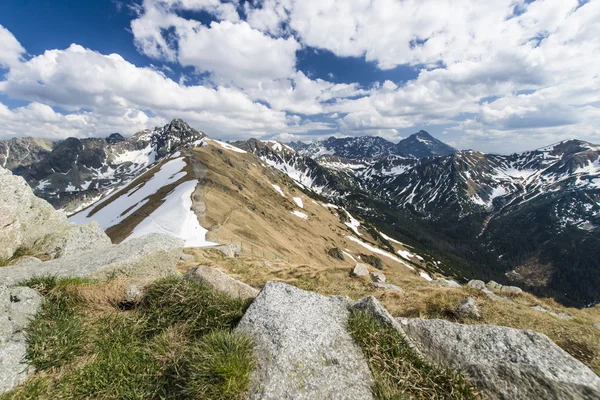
173,136
422,144
114,138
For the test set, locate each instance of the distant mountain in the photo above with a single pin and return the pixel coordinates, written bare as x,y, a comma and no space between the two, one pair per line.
418,145
74,172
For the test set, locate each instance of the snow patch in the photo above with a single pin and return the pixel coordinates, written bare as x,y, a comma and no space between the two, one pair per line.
300,214
353,223
425,276
278,189
228,146
298,201
379,251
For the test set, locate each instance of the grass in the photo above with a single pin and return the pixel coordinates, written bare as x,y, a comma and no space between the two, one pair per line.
398,371
22,251
176,343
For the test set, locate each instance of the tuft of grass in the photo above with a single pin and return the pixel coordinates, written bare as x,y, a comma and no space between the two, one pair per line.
173,300
177,345
19,252
220,366
398,370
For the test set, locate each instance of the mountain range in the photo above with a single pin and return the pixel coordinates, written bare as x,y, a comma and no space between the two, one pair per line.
530,218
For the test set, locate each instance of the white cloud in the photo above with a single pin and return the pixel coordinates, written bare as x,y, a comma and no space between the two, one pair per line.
11,51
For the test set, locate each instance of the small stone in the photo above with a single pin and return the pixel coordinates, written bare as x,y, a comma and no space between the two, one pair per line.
597,325
133,293
230,250
387,286
221,282
336,253
378,276
445,282
493,285
360,270
187,257
266,264
511,289
476,284
468,308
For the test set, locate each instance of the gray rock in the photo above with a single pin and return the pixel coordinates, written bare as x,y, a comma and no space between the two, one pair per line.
378,276
468,308
146,257
26,260
187,258
493,285
360,270
476,284
511,289
134,293
387,286
230,250
73,239
559,315
494,297
445,282
336,253
597,325
28,221
505,363
17,306
302,347
221,282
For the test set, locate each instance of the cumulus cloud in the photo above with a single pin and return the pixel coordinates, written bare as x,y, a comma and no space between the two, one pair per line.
11,51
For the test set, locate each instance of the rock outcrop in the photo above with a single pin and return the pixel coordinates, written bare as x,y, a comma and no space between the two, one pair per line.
146,257
17,306
221,282
506,363
303,348
28,221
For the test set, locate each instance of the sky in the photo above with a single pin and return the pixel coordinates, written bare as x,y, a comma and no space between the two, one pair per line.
495,76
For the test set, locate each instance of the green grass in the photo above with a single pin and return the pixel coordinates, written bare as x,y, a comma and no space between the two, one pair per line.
19,252
398,371
177,344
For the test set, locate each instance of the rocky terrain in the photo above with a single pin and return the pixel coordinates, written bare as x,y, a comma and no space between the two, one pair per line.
304,344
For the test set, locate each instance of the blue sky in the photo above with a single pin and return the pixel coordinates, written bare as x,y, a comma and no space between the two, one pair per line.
493,76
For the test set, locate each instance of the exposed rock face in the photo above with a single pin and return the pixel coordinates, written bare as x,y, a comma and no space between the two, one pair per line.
303,348
221,282
17,306
18,153
360,270
336,253
506,363
73,239
146,257
26,220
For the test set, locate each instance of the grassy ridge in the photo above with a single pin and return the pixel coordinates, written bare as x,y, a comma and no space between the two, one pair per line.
177,343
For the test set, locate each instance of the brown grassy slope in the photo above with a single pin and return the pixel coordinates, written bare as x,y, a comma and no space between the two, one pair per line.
243,207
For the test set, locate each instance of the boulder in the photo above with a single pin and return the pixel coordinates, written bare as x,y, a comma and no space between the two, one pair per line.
360,270
17,306
476,284
146,257
336,253
468,308
28,221
230,250
493,285
378,276
445,282
387,286
187,258
559,315
73,239
511,289
221,282
302,347
505,363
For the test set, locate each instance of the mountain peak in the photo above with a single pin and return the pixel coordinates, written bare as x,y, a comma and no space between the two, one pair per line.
422,144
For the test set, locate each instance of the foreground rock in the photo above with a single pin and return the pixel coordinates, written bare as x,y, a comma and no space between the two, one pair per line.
303,348
221,282
146,258
28,221
506,363
17,306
